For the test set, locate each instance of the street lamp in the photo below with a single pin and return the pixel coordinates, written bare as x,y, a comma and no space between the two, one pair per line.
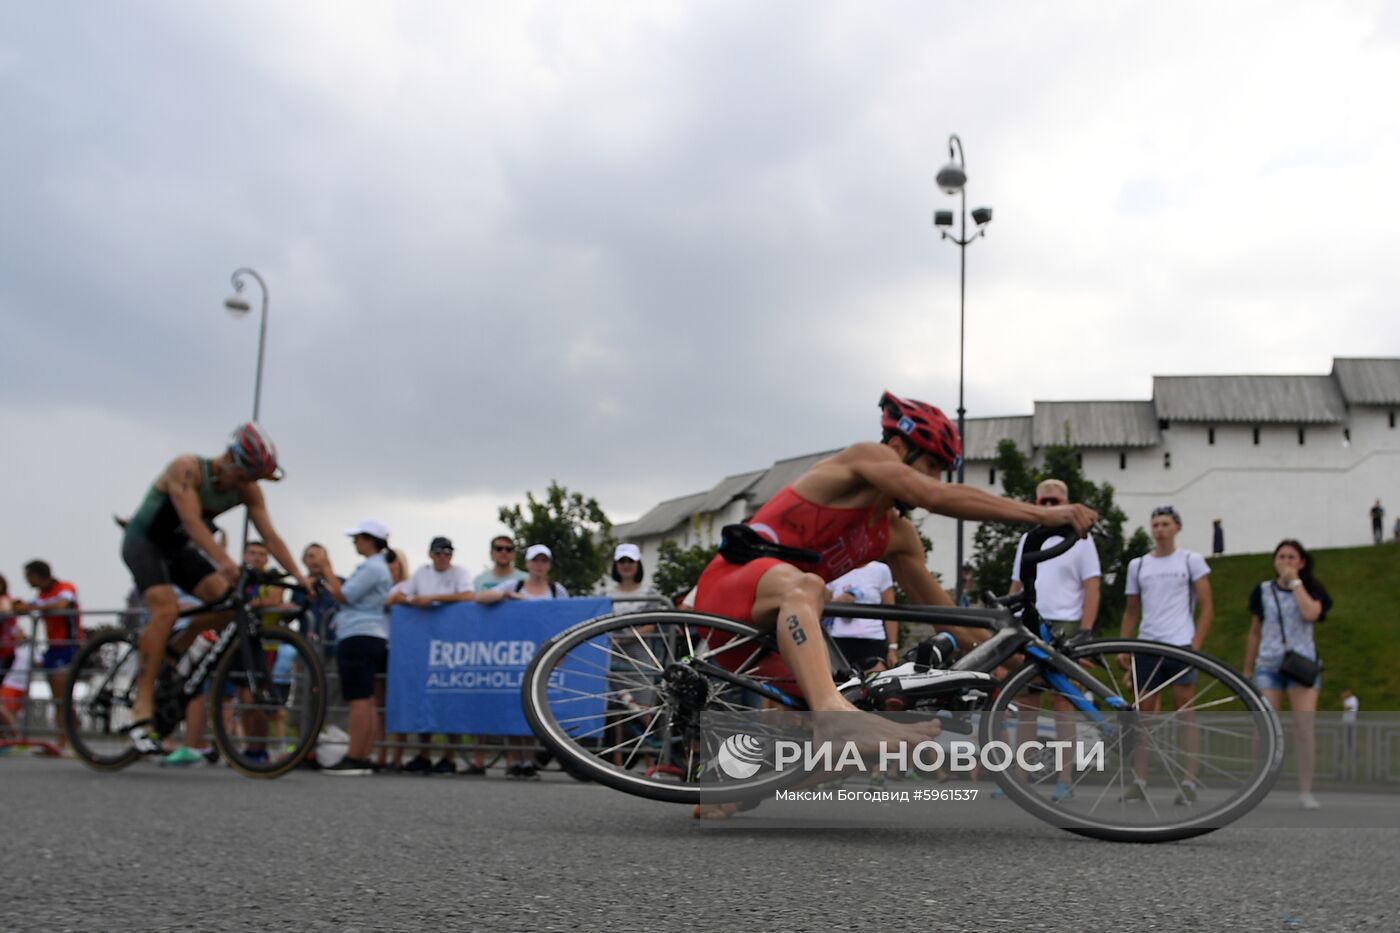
237,305
952,178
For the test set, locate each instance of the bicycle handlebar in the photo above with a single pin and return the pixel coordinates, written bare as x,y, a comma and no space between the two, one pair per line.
1037,536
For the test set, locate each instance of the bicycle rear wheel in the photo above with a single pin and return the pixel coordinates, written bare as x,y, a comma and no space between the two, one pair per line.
97,699
625,700
1206,755
268,710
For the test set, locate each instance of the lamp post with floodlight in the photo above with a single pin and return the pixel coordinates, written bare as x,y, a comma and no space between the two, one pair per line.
237,304
952,178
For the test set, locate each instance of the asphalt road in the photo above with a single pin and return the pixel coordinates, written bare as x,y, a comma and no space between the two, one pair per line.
205,849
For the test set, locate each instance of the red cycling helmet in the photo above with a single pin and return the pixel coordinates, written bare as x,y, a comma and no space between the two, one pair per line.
253,450
923,426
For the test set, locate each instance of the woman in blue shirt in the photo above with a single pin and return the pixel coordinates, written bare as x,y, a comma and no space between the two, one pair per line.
362,640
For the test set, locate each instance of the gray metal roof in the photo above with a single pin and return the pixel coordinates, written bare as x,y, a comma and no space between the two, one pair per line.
982,435
664,517
781,474
1096,424
1368,381
728,489
1249,399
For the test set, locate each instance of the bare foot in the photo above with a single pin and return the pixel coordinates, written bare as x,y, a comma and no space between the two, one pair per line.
870,733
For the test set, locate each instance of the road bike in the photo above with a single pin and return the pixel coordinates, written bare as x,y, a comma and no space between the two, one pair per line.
266,697
642,702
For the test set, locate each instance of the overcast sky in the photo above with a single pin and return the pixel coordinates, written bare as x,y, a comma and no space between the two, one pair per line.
640,246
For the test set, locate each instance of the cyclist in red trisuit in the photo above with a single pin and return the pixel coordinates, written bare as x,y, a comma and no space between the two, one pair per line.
169,542
851,509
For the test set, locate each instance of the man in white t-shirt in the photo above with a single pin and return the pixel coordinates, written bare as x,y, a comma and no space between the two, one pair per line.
434,584
1067,601
1170,590
868,644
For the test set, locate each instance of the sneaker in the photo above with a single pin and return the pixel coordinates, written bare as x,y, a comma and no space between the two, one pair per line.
473,771
211,755
1136,791
350,767
1062,793
182,757
528,772
144,740
1309,802
418,765
444,766
513,771
1187,795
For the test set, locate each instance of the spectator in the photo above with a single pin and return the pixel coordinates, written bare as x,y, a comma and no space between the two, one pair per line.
969,587
1397,529
193,750
868,644
627,590
9,627
319,621
253,722
536,585
1067,601
1217,538
436,584
362,646
502,566
14,688
1283,612
632,665
1377,521
1167,587
63,629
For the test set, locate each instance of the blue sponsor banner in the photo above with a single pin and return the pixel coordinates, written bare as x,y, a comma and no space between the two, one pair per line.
457,668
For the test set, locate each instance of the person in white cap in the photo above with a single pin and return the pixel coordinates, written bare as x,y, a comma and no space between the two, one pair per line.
627,591
539,560
362,647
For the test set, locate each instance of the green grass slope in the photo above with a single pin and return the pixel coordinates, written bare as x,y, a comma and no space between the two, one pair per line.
1360,640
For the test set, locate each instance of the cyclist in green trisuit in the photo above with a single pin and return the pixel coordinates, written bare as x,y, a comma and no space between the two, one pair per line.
169,542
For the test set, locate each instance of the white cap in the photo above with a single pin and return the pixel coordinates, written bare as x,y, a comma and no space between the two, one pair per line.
627,550
536,550
369,527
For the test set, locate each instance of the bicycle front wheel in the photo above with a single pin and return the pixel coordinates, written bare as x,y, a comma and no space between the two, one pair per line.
629,701
97,700
1187,747
268,705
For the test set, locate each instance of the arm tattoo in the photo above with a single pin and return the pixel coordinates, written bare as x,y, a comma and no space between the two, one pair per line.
795,627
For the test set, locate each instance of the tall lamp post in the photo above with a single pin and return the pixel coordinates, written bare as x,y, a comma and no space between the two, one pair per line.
238,305
952,178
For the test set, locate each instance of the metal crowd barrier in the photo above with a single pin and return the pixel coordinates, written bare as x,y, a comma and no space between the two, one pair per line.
37,723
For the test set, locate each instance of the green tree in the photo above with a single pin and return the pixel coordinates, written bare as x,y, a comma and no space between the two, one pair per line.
677,570
578,534
995,542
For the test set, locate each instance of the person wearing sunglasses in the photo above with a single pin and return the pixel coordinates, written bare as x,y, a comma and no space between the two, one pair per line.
1169,590
1067,599
502,567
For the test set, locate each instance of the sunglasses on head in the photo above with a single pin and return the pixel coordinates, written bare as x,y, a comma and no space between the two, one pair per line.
1049,500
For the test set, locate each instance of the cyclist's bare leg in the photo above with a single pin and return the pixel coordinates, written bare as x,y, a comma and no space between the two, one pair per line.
162,610
792,601
211,589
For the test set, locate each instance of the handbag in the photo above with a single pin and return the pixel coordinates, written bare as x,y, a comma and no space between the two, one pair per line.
1295,666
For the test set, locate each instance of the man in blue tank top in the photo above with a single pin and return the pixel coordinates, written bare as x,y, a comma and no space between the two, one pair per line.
169,542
